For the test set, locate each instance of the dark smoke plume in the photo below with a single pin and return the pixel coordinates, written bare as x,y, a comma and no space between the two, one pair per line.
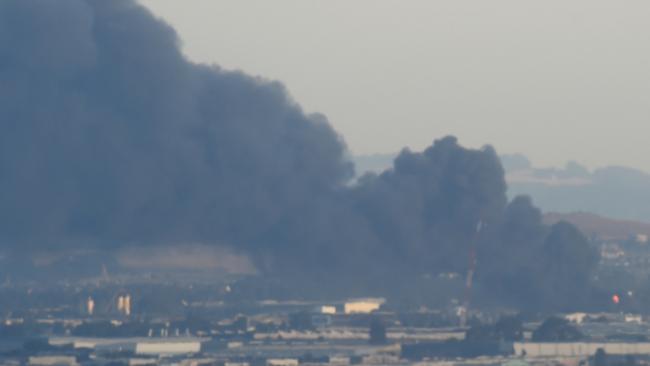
108,132
110,138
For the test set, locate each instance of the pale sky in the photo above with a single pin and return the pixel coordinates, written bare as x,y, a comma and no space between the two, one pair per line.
556,80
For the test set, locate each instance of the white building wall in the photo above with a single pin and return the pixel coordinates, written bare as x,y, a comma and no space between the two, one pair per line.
167,348
363,306
549,349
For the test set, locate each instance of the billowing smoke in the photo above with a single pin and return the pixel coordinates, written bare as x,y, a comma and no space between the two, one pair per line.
110,138
108,132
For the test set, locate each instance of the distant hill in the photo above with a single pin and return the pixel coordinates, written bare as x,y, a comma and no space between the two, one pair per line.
614,191
602,227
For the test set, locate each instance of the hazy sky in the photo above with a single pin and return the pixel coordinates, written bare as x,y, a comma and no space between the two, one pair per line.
555,80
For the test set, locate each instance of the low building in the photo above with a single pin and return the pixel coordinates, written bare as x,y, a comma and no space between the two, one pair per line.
52,361
579,349
282,362
327,309
139,346
170,347
576,318
363,306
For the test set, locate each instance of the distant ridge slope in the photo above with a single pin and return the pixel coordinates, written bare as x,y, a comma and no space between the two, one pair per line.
602,227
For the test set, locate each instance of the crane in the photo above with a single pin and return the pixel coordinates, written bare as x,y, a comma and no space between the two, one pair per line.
464,309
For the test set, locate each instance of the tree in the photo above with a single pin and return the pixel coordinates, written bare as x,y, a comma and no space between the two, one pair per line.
600,357
510,328
301,321
481,333
556,329
377,331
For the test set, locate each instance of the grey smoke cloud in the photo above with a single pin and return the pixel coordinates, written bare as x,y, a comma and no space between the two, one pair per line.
112,139
108,132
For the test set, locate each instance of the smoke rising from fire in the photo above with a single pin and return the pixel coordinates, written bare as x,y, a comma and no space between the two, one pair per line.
111,138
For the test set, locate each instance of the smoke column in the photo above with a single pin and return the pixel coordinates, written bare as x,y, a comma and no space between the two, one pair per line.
110,137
